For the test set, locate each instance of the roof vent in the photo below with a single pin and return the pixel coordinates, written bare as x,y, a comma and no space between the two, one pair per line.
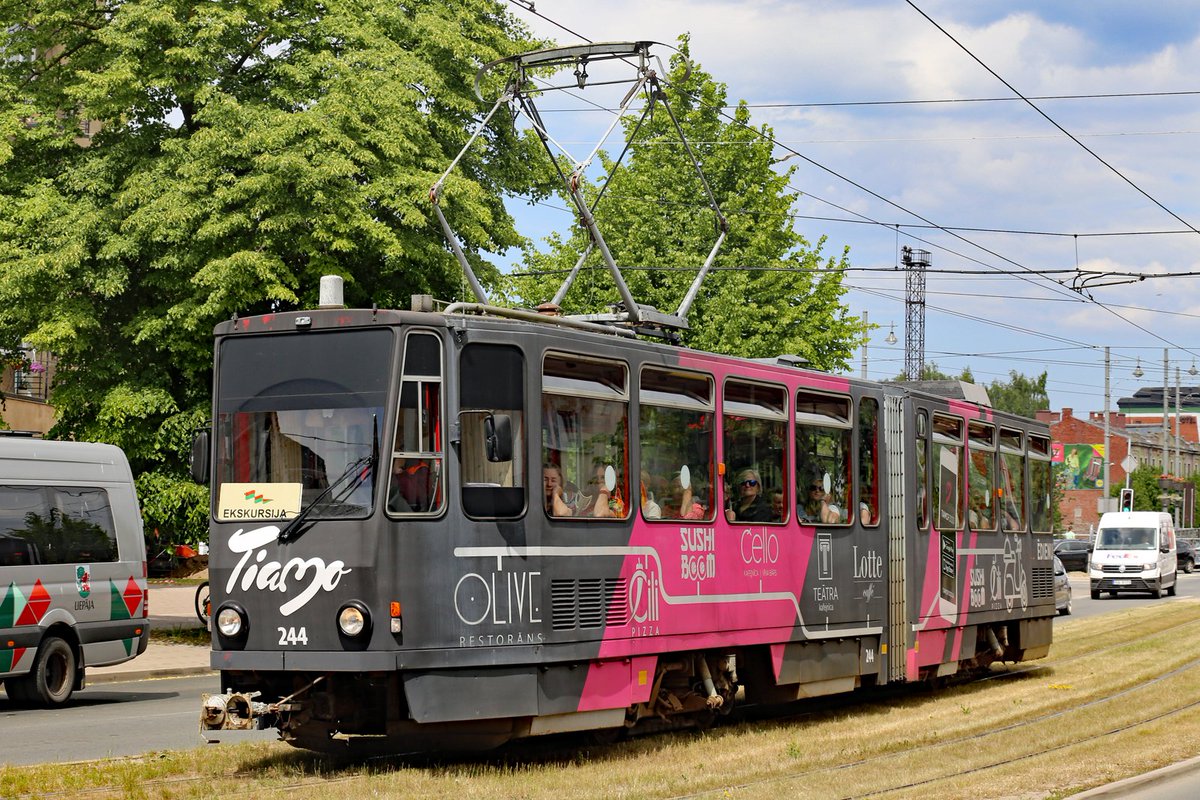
331,292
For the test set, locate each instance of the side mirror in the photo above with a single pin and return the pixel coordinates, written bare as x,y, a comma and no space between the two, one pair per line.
497,431
198,460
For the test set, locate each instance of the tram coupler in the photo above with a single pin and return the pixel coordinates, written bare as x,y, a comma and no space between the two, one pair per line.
236,711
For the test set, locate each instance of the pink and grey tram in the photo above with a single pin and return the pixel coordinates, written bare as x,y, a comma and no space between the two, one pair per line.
455,529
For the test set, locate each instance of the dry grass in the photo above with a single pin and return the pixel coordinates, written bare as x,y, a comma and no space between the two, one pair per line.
1120,685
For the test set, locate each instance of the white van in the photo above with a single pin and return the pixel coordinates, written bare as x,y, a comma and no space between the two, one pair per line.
1134,551
72,566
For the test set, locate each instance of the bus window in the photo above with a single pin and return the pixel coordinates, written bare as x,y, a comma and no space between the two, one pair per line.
56,525
491,382
1012,480
754,426
1041,516
823,458
981,452
415,485
947,471
675,430
585,416
868,461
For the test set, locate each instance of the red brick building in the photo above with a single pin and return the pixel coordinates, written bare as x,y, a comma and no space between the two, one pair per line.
1072,437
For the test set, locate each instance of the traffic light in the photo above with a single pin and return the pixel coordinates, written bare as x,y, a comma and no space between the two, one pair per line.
1127,500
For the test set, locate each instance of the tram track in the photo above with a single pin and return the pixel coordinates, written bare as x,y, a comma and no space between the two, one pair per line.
977,737
1128,700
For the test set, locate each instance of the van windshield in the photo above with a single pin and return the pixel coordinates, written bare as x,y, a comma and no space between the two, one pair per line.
1125,539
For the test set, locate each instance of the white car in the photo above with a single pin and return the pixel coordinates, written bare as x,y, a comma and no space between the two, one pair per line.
1062,588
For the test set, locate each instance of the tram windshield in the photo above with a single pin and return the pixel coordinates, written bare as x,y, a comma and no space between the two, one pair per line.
295,414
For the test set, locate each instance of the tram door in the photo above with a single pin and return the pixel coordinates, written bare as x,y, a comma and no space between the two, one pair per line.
900,521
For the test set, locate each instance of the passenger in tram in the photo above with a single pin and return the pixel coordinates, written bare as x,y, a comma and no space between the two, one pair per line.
681,503
865,515
980,516
818,507
777,504
1012,516
602,502
650,507
555,499
750,505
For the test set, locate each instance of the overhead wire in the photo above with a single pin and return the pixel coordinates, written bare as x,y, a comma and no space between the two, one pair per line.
931,224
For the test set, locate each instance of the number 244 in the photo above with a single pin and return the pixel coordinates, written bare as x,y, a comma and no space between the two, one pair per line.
293,635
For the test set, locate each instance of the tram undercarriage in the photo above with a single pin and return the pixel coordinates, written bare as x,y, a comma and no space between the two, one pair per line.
370,712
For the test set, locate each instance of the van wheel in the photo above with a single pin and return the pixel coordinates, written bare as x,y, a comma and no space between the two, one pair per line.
1095,594
52,678
1171,589
1156,593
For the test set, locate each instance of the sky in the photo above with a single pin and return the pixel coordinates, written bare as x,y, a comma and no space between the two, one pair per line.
987,183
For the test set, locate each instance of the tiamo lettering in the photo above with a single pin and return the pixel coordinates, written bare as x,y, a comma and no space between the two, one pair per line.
255,571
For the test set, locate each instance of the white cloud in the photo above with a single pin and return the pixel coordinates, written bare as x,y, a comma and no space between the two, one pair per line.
986,165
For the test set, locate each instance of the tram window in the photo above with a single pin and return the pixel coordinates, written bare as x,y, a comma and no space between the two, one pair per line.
922,471
754,431
981,459
868,461
1041,516
415,484
675,432
1012,480
491,381
823,458
948,472
585,421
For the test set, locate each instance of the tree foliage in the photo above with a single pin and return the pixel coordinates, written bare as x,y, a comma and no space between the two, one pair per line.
244,148
1020,394
770,293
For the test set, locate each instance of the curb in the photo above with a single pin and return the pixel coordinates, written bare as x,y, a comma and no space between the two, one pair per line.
94,678
1123,787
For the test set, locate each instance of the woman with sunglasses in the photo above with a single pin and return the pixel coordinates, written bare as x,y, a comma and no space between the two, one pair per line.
817,507
750,505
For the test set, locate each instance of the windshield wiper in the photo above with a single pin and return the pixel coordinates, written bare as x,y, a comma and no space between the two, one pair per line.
363,467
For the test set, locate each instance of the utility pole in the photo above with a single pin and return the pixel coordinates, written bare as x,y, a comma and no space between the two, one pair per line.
1107,443
866,338
1165,465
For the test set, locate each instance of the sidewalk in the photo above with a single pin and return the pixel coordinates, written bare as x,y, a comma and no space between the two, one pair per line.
170,607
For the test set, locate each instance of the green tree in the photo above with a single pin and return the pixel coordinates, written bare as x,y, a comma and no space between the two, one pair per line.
1144,482
770,292
1020,394
244,148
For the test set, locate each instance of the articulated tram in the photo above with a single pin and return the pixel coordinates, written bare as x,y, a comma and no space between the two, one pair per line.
462,527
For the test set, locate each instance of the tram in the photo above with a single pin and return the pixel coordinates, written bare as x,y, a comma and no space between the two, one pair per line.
479,524
455,527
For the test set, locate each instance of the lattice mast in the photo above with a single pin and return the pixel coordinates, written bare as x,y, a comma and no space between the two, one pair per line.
915,264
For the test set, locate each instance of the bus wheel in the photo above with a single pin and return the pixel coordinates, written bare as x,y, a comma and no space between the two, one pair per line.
52,678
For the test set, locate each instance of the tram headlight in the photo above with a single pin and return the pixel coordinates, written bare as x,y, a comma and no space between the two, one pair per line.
230,622
232,625
353,619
